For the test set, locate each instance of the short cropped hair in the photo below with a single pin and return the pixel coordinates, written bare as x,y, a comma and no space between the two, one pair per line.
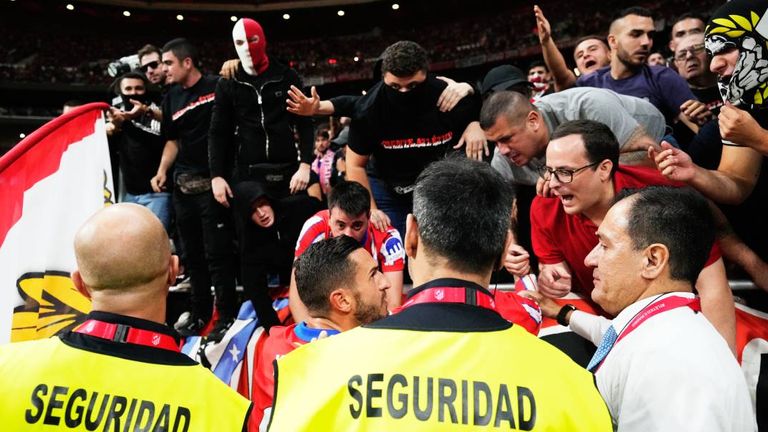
588,37
132,75
634,10
403,59
690,15
149,49
538,63
514,105
350,197
599,141
678,218
182,48
322,268
462,208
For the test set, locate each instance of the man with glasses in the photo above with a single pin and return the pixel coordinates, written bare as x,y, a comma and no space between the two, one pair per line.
692,64
151,63
522,129
584,176
152,68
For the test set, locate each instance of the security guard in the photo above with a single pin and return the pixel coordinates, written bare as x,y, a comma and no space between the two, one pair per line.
121,369
446,360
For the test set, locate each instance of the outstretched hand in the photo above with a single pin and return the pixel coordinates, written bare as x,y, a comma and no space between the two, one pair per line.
672,162
299,104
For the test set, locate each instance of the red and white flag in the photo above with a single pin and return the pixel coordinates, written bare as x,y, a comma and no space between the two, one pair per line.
50,183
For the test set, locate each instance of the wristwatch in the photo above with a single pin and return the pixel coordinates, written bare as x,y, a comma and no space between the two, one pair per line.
563,312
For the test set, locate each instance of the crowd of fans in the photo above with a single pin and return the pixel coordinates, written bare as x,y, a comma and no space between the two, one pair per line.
81,58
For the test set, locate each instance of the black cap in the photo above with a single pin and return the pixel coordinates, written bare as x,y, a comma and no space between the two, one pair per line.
502,78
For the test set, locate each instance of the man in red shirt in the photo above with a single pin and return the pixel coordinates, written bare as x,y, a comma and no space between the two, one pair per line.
341,286
349,210
584,176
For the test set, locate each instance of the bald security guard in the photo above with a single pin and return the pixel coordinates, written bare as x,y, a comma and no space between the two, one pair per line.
121,369
436,364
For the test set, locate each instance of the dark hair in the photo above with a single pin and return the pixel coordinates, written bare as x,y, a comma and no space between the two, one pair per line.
588,37
322,268
403,59
538,63
323,131
149,49
131,75
634,10
599,141
182,48
462,208
350,197
690,15
678,218
512,104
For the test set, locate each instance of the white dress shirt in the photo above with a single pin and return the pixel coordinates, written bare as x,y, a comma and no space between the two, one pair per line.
672,373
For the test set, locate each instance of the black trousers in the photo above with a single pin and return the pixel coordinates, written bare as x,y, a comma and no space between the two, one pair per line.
206,232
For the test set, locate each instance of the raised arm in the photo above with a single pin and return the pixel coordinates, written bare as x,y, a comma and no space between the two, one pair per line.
555,61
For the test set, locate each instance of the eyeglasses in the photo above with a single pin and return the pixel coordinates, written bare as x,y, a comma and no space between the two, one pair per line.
152,64
694,50
563,175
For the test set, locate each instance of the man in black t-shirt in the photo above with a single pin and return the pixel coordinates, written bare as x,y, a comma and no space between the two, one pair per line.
204,226
398,124
135,137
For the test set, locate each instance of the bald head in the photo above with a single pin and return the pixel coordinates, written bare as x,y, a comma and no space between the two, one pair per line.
121,247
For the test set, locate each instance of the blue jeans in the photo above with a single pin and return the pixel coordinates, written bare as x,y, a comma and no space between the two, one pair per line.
159,203
396,206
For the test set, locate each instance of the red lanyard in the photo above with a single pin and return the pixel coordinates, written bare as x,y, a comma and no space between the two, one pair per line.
126,334
450,295
657,307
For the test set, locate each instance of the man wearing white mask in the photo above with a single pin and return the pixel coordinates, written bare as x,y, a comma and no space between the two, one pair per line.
252,147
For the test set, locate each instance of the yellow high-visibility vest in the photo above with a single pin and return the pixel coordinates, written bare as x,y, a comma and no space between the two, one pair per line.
373,379
49,385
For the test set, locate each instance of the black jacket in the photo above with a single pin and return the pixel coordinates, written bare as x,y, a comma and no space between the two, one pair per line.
250,124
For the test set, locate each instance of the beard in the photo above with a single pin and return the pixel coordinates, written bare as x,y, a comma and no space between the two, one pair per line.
366,312
626,59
